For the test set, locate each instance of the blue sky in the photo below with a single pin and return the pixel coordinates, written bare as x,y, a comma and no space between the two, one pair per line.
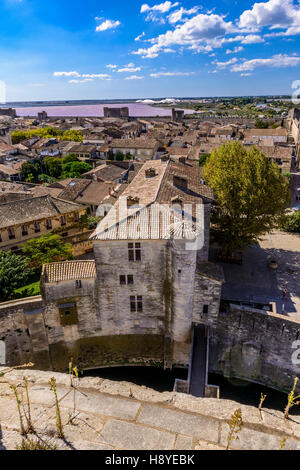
63,49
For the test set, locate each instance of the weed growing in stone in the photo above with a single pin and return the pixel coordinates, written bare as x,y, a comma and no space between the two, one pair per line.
19,403
283,443
235,426
30,444
30,428
59,425
262,399
293,400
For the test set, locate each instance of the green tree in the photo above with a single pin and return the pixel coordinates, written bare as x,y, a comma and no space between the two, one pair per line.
75,169
14,273
203,158
46,249
291,223
259,124
53,167
28,172
72,157
250,195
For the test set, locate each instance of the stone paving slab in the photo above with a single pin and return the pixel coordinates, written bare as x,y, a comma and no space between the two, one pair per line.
88,402
136,437
179,422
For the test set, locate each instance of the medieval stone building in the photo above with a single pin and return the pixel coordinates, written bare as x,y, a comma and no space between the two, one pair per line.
137,302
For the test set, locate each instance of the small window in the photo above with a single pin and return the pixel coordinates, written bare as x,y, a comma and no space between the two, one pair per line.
78,284
136,304
130,280
24,230
76,217
63,221
37,227
49,224
205,309
134,252
0,238
122,280
11,234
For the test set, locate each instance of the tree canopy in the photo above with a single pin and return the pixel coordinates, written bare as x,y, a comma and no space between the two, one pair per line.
55,168
48,133
14,273
291,223
46,249
250,195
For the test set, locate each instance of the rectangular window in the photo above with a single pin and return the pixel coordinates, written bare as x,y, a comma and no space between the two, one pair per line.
76,217
24,230
78,284
11,234
0,238
205,309
134,252
49,224
136,304
63,221
37,227
124,280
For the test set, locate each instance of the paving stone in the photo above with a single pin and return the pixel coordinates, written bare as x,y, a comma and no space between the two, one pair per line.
179,422
131,436
249,439
89,402
184,443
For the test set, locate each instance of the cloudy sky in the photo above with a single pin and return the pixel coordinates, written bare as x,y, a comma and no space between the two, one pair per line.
63,49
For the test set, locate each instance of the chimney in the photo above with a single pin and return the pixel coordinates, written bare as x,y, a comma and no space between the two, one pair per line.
150,172
132,201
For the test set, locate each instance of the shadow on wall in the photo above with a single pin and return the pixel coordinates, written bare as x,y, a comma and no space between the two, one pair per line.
256,281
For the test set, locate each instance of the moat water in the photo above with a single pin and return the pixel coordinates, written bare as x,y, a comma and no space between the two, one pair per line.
162,381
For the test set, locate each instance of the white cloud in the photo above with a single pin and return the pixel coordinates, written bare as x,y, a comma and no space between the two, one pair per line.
134,77
171,74
279,60
223,65
67,74
130,69
200,33
108,24
155,13
252,39
274,14
139,38
162,7
177,15
81,81
235,50
101,76
111,66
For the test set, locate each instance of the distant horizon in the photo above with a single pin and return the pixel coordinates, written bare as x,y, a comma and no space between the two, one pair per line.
130,100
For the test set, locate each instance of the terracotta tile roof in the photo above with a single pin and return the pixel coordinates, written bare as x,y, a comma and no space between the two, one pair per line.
133,143
68,271
34,209
152,216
